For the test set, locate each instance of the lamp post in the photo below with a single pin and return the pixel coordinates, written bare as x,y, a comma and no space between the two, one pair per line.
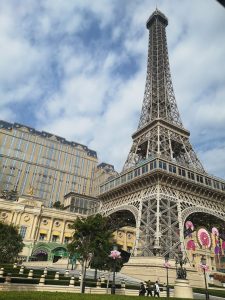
167,265
114,254
205,268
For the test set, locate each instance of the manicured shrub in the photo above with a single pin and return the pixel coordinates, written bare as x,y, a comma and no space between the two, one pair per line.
218,293
90,283
24,280
132,287
56,282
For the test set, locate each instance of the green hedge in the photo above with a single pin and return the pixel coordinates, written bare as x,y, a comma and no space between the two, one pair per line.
57,282
132,287
24,280
218,293
66,282
36,273
104,285
9,269
90,283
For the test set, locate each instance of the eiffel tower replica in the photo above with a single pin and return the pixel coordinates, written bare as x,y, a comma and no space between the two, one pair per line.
163,182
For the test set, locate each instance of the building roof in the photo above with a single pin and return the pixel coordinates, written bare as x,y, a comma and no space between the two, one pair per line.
9,126
105,165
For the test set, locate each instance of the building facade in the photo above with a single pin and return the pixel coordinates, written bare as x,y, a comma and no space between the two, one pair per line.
46,231
49,164
81,204
103,172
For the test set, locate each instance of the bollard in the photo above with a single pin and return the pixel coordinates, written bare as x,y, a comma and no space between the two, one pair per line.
72,282
1,272
14,265
67,273
30,274
56,275
102,279
21,270
123,284
98,283
42,280
45,271
79,277
8,278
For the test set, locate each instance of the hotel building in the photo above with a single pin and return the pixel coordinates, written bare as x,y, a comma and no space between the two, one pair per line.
48,164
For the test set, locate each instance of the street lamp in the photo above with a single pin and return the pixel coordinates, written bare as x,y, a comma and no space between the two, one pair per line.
205,268
167,265
114,254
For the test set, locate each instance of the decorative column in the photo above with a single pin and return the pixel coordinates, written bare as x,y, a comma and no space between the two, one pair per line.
19,217
125,240
62,232
32,232
50,230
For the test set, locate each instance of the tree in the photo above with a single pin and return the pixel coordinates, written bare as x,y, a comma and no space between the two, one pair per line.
58,205
11,243
9,195
92,241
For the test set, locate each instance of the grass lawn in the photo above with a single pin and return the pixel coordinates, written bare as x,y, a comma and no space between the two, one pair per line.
63,296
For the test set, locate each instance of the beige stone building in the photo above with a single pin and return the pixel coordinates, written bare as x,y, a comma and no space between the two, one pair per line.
46,231
103,172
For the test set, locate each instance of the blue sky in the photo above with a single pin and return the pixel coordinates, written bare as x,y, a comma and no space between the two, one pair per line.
77,69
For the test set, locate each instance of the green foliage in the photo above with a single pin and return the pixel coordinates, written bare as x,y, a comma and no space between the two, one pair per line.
58,205
25,280
91,238
9,195
57,282
11,243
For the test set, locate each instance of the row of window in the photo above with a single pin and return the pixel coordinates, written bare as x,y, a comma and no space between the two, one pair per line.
39,140
39,177
70,164
42,236
54,239
164,166
83,205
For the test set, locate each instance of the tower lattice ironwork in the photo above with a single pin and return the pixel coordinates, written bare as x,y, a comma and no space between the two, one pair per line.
162,182
160,131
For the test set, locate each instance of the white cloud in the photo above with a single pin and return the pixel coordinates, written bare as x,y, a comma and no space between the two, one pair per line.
7,114
214,159
84,65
